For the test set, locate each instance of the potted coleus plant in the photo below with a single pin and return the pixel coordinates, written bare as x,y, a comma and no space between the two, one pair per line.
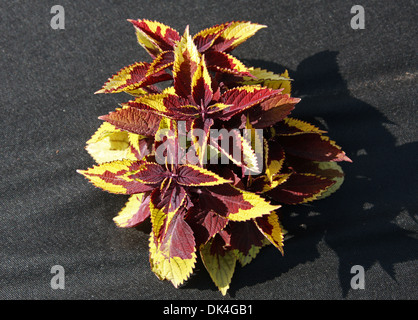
207,150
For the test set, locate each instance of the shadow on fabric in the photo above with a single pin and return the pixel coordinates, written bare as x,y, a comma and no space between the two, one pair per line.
360,221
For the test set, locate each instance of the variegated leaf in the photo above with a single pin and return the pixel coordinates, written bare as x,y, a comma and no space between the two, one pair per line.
290,126
190,175
200,132
202,85
140,146
269,79
115,177
135,211
219,263
205,38
150,173
173,256
239,152
312,146
329,170
245,236
233,203
204,223
110,144
256,206
270,226
234,34
223,62
134,120
133,77
245,259
186,61
300,188
172,244
162,61
333,171
274,110
242,98
155,36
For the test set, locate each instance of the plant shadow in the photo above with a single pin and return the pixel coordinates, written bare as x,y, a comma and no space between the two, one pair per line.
360,222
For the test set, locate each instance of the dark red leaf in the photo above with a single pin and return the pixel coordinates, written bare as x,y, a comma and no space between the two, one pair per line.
223,199
312,146
179,240
134,120
162,61
151,173
143,148
142,213
273,111
300,188
243,98
244,235
189,175
204,223
220,61
164,36
205,38
169,197
220,243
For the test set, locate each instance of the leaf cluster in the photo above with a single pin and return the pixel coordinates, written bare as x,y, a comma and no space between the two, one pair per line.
203,195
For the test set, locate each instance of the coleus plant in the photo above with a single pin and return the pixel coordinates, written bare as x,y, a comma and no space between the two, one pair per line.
207,151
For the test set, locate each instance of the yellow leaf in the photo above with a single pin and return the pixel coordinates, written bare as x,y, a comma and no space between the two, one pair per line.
110,144
285,84
104,174
275,232
150,41
184,47
201,177
252,253
269,79
338,178
246,259
174,269
220,268
147,43
137,92
130,209
274,168
119,82
302,125
104,131
239,31
258,207
210,31
202,73
152,101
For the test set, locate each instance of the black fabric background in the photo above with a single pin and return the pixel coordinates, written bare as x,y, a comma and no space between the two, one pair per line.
360,85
